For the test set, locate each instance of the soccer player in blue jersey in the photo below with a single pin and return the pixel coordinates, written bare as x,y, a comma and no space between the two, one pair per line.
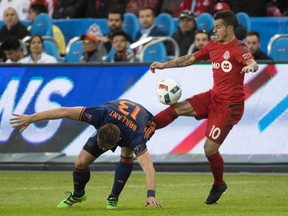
119,123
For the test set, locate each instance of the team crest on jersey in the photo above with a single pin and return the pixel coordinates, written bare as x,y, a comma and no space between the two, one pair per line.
87,117
226,55
226,66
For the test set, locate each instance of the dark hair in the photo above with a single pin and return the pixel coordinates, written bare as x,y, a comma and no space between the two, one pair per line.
10,43
202,32
253,33
39,8
122,33
116,12
228,17
148,8
108,135
34,36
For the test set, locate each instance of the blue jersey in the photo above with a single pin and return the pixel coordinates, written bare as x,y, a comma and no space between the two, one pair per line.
134,121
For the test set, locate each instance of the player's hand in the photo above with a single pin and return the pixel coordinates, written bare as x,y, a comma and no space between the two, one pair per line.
156,65
21,121
247,69
152,201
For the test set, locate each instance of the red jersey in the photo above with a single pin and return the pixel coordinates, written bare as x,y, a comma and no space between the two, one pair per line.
227,62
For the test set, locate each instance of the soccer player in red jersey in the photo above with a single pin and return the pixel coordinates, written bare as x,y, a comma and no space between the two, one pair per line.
223,105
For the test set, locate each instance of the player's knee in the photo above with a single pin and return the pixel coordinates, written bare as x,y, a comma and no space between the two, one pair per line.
210,147
81,165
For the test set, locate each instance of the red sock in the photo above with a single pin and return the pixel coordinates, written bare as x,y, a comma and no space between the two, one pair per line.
165,117
217,167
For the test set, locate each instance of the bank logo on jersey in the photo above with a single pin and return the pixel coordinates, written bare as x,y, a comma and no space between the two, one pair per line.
226,66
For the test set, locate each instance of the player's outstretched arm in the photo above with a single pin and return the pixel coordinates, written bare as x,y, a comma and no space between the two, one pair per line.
23,121
252,66
179,62
146,163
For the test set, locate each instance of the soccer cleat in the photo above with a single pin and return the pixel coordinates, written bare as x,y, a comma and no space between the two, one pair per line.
71,200
112,203
215,193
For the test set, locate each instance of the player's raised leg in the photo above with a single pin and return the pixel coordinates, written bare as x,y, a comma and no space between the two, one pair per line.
122,173
217,168
81,176
165,117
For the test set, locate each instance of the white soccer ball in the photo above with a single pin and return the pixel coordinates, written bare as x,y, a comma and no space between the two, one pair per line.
168,91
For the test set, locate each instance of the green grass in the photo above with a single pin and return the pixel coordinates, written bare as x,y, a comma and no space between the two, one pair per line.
38,193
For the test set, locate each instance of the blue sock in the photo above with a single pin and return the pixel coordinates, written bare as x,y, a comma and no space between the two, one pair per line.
80,178
122,173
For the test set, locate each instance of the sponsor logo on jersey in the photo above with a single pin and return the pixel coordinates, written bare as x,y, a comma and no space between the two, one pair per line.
246,55
226,66
215,65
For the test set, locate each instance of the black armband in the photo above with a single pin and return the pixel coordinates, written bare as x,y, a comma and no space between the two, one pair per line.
150,193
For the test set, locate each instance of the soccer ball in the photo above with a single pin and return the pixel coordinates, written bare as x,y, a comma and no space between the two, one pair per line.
168,91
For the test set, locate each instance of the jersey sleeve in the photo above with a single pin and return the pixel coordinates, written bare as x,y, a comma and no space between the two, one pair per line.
203,54
243,54
93,115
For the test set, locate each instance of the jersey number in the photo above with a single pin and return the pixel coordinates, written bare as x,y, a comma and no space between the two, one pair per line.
215,132
125,105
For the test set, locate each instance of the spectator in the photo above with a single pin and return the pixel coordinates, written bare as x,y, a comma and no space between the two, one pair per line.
12,49
185,35
240,31
37,9
114,22
49,4
135,5
12,25
90,49
147,19
21,7
253,42
37,54
120,44
201,39
148,28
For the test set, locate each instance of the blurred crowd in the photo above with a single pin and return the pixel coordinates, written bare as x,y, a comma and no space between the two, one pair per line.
59,9
95,46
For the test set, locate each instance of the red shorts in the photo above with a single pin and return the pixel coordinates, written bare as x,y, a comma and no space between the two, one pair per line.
221,115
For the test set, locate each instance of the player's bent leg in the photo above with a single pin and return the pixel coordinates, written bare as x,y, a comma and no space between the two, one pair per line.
122,173
81,176
184,108
217,168
167,116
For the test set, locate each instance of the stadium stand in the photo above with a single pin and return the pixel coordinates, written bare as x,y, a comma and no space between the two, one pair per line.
244,20
131,25
74,50
51,47
165,22
277,47
205,22
42,25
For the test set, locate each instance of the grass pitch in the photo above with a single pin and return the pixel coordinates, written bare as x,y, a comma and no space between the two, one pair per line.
38,193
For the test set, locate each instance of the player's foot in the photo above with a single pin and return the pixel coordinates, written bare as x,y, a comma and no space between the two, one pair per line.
215,193
112,203
71,200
